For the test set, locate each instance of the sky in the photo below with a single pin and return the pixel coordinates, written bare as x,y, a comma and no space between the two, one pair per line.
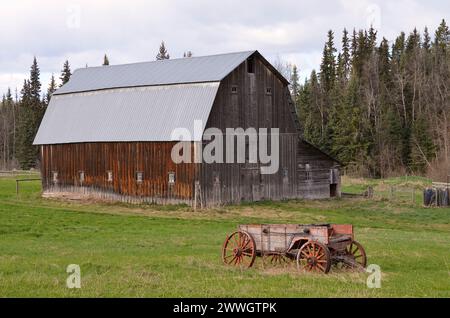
291,31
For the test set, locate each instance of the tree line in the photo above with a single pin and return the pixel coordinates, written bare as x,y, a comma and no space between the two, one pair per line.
381,108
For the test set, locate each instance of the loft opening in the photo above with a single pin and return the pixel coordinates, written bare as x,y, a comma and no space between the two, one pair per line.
251,65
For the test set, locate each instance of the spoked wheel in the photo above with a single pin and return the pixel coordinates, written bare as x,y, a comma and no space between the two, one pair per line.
314,256
239,250
276,259
354,256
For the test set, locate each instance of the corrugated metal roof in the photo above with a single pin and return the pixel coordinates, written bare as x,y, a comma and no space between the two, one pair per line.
211,68
126,114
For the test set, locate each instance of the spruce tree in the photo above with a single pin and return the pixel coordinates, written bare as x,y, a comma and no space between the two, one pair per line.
105,60
65,73
162,54
51,88
328,66
295,83
30,115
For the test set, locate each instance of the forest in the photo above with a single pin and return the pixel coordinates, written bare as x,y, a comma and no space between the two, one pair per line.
381,108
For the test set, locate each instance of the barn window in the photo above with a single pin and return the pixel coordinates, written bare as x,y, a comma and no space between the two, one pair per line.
251,65
308,172
81,175
55,177
110,176
234,89
139,177
268,90
171,177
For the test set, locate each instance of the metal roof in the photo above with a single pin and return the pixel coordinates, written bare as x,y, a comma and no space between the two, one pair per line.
211,68
127,114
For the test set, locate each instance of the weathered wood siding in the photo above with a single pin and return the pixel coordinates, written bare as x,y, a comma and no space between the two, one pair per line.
124,160
321,169
252,106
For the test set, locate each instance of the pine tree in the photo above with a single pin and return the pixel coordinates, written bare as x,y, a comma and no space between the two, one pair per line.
426,40
162,54
105,60
51,88
65,73
35,84
442,36
30,115
328,66
295,82
345,57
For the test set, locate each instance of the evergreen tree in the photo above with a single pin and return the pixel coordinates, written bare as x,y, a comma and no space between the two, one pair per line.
442,36
51,89
35,84
65,73
30,115
105,60
328,65
426,40
162,54
295,83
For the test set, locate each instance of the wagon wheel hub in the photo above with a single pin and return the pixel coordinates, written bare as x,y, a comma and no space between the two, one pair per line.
314,256
237,252
312,261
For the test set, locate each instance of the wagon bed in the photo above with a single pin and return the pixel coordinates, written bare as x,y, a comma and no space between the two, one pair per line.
313,246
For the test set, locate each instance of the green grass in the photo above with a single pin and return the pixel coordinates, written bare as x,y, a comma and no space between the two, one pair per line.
144,251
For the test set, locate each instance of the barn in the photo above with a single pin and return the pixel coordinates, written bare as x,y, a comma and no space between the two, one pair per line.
108,134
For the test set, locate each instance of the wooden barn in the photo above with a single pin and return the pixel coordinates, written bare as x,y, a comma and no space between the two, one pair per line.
107,133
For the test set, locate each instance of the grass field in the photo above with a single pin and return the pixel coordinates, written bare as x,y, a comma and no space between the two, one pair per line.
153,251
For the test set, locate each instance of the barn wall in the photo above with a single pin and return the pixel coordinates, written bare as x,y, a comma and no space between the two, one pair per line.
252,106
321,170
124,160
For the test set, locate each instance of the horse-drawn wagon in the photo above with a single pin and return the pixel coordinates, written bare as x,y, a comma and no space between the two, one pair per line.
315,247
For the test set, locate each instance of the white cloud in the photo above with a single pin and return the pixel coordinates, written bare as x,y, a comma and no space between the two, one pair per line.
129,31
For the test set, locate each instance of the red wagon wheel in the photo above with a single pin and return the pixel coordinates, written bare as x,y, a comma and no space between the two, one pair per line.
314,256
239,249
356,255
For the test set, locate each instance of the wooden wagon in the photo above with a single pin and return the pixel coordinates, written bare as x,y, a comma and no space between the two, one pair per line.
314,247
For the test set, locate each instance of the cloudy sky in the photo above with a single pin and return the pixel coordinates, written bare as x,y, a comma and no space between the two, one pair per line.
130,31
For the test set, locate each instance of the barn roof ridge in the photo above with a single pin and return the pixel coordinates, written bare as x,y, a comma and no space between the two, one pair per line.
197,69
166,60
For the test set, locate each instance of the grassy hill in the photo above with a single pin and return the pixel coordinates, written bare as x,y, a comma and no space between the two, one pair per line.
172,251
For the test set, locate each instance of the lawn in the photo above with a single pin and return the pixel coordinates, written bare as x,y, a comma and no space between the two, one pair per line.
173,251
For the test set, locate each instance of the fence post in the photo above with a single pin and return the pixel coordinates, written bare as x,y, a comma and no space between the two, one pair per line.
17,187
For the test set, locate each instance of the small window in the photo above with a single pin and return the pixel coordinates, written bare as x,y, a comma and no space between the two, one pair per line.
110,176
251,65
171,177
234,89
268,90
139,177
55,177
81,175
285,173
